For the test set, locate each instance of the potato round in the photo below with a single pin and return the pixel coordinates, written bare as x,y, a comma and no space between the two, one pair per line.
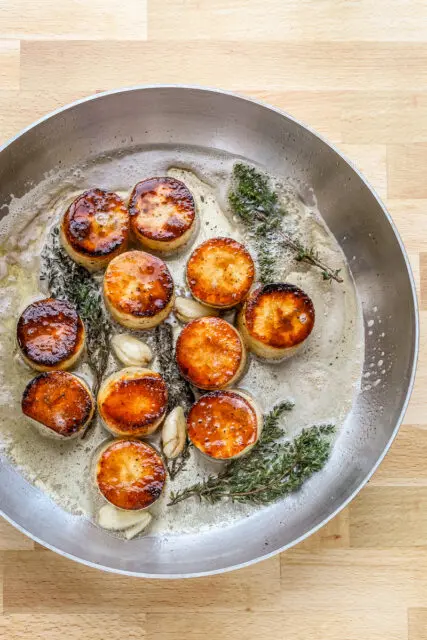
95,228
60,404
50,335
138,290
210,353
224,425
220,272
130,474
133,402
276,319
162,213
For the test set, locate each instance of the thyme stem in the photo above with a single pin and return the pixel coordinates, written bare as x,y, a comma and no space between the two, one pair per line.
179,390
67,280
252,197
306,255
272,470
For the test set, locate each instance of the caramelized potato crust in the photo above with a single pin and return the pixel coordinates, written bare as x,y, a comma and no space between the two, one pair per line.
60,401
130,474
220,272
210,353
50,334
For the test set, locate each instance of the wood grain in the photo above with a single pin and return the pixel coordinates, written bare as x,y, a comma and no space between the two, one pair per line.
74,20
355,70
9,64
417,624
336,20
232,65
73,626
69,587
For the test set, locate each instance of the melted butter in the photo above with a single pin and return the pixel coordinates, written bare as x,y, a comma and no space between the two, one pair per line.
322,379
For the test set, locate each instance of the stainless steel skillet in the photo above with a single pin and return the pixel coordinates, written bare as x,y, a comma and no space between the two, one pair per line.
210,118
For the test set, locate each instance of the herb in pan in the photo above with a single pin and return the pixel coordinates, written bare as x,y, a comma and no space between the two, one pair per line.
272,470
179,390
67,280
258,206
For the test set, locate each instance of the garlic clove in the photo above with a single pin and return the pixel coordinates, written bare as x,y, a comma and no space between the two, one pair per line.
187,309
109,517
137,528
174,433
131,351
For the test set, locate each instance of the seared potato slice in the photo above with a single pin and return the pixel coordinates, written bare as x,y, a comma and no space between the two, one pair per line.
138,290
220,272
60,404
224,424
130,474
276,319
50,335
95,228
133,402
162,213
210,353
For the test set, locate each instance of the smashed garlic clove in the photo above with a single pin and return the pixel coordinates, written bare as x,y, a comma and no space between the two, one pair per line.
131,351
109,517
138,528
174,433
187,309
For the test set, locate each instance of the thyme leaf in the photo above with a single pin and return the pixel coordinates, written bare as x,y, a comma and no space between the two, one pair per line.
271,471
67,280
179,390
259,208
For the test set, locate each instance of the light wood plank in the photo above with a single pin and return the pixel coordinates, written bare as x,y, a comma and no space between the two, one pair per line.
334,535
231,65
309,20
321,110
128,625
417,621
387,117
74,20
9,64
405,463
70,587
354,580
389,517
11,538
292,624
406,170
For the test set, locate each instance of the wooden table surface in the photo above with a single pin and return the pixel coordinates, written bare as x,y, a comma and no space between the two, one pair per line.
355,70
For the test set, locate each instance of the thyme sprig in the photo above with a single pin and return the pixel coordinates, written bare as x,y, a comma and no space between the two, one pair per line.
271,471
67,280
179,390
258,206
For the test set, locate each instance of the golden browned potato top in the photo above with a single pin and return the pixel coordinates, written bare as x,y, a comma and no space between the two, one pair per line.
161,209
222,424
220,272
279,315
209,352
49,331
96,223
133,402
59,400
130,474
138,284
